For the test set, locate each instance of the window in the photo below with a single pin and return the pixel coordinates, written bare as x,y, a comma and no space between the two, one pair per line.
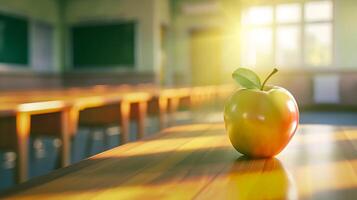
318,33
288,46
259,15
288,13
288,35
258,46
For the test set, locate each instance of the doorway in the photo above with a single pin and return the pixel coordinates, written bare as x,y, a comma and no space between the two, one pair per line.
206,56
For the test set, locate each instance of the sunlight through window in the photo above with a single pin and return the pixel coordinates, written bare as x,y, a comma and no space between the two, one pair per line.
318,10
318,45
288,35
288,46
259,15
287,13
258,45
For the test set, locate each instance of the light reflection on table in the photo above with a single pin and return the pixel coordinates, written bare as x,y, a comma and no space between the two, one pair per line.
197,161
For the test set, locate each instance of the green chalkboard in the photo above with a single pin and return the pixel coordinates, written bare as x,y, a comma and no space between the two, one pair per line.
103,45
13,40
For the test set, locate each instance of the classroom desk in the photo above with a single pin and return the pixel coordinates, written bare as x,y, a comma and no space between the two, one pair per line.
70,102
198,162
20,114
17,125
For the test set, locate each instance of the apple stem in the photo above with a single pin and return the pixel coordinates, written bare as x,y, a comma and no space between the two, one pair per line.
275,70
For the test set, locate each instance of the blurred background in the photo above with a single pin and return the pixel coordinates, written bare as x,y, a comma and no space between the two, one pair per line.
51,44
66,43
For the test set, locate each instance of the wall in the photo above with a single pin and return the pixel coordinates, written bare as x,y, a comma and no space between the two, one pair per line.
28,80
300,84
163,9
346,33
84,79
44,10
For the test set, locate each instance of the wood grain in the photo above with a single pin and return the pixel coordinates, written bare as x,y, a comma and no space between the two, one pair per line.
198,162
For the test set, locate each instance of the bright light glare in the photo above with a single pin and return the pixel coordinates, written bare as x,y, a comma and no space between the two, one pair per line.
288,46
29,107
318,10
259,15
318,44
288,13
291,106
258,46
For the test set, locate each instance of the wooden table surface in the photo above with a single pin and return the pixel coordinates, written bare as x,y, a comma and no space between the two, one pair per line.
198,162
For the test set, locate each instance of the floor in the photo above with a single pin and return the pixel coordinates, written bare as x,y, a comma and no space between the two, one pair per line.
333,118
44,152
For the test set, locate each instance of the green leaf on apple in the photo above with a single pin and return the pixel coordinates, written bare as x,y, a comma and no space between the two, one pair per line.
247,78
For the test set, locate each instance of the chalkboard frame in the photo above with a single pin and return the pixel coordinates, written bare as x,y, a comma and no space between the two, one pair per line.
96,68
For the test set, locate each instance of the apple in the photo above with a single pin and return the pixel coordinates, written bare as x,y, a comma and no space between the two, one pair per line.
260,120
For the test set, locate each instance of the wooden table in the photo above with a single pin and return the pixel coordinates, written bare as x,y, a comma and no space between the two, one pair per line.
16,125
16,131
19,107
198,162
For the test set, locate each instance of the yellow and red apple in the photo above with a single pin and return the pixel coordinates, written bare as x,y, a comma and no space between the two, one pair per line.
260,120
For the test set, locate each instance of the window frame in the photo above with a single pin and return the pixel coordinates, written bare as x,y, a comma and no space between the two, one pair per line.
302,24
